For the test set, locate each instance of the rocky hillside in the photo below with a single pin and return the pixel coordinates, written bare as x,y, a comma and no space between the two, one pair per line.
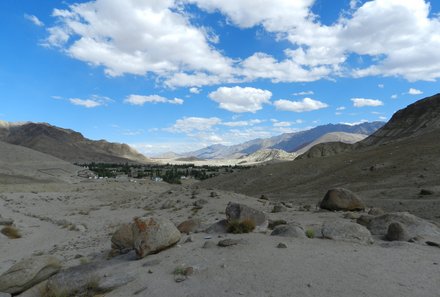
343,137
416,119
67,144
267,155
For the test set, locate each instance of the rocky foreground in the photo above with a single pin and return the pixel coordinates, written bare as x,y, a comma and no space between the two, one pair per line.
126,238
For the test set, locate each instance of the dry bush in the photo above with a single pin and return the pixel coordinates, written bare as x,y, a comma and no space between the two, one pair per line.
237,227
11,232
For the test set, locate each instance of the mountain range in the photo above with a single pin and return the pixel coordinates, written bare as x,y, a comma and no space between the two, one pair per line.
67,144
289,142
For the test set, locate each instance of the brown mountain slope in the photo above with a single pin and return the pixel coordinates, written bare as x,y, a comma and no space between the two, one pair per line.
67,144
390,175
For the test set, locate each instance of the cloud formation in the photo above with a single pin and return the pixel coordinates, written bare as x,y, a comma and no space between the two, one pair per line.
413,91
36,21
93,101
141,100
363,102
238,99
307,104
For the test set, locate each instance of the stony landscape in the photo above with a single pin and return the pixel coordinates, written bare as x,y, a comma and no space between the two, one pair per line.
362,221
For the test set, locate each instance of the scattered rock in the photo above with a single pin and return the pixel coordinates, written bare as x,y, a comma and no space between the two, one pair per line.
213,194
168,204
352,215
6,222
290,230
200,202
189,226
426,192
122,240
27,273
432,243
153,234
396,232
346,231
189,239
341,199
228,242
209,244
282,245
376,211
240,212
274,223
218,227
279,208
415,226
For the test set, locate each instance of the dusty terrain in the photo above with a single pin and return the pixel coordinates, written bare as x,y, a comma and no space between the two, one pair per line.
74,221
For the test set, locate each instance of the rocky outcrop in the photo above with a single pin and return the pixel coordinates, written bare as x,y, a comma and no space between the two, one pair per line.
240,213
27,273
341,199
153,234
122,240
346,231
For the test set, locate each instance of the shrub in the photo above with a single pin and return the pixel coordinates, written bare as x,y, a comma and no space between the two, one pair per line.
237,227
11,232
310,233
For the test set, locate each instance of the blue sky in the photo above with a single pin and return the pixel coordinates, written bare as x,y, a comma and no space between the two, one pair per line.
165,75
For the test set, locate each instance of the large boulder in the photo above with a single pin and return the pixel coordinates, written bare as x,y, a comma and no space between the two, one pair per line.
346,231
153,234
122,240
415,226
219,227
189,226
290,230
27,273
397,232
341,199
239,213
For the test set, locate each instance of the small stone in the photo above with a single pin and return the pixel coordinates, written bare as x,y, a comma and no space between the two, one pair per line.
189,239
426,192
397,232
376,211
209,244
178,278
282,245
279,208
228,242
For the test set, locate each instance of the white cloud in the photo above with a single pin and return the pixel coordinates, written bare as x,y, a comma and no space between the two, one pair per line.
141,100
194,90
394,96
282,124
362,102
413,91
34,20
307,104
355,123
238,99
190,124
243,123
381,86
93,101
303,93
135,37
341,108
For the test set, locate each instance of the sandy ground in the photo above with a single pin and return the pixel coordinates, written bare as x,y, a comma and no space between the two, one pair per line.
74,221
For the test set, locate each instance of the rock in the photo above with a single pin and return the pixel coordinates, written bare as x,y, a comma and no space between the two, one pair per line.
219,227
376,211
5,294
209,244
213,194
426,192
352,215
282,246
415,226
396,232
274,223
6,222
228,242
279,208
200,202
341,199
290,230
240,212
153,234
189,239
168,204
189,226
27,273
122,240
346,231
88,278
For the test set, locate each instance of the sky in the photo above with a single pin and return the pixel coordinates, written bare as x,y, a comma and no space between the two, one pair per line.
179,75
